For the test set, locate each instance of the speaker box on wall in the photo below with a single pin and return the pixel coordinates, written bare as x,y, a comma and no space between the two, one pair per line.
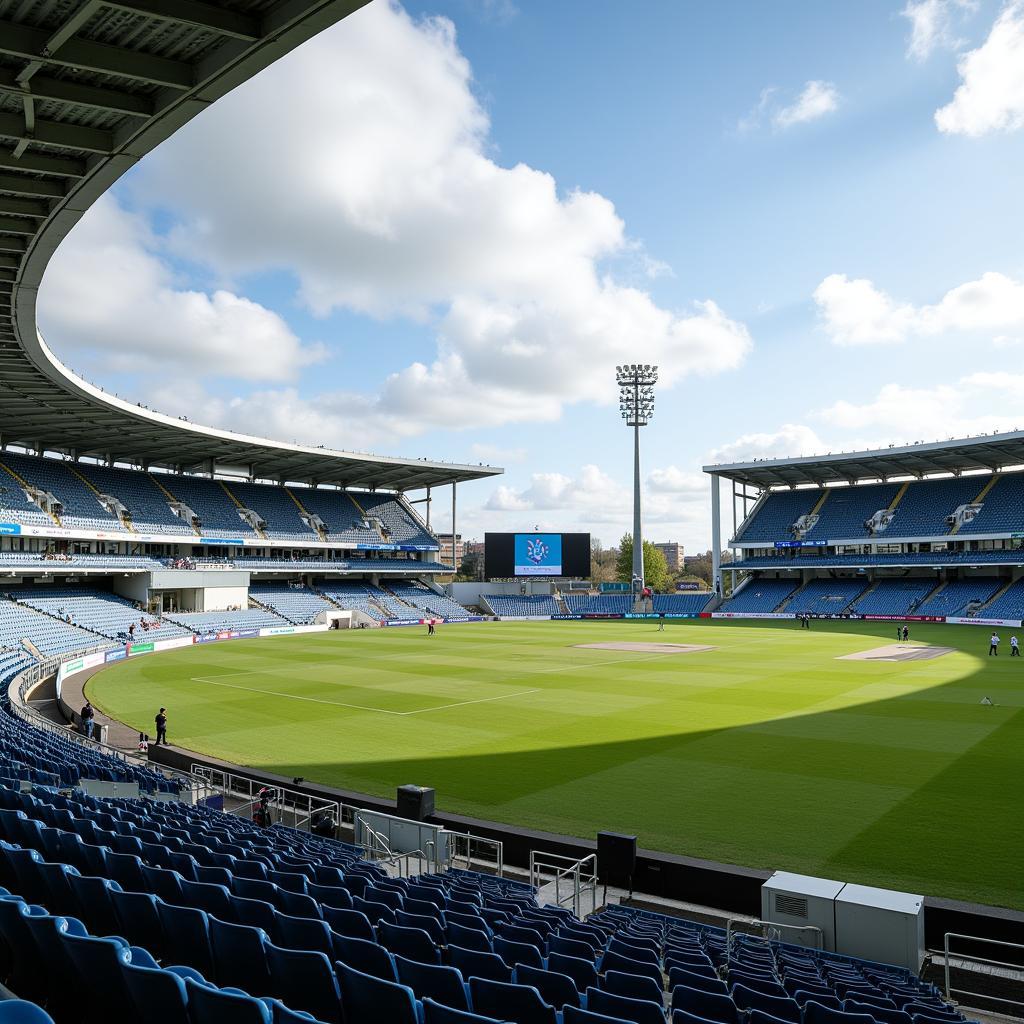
416,803
616,859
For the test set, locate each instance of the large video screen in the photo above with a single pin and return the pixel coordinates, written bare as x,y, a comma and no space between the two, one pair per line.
511,555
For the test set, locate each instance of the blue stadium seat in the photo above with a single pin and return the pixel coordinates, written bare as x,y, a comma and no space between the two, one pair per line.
239,955
442,984
438,1013
187,932
366,957
366,999
474,964
468,938
159,996
304,980
816,1013
781,1007
557,989
631,985
413,943
612,961
208,1005
506,1001
709,982
352,923
712,1006
640,1011
514,953
581,970
20,1011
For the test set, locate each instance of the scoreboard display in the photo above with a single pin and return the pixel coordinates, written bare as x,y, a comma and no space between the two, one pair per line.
526,555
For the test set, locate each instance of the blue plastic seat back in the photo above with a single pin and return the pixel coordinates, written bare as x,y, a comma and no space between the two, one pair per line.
640,1011
431,925
583,972
437,1013
632,985
21,1011
256,913
239,955
710,1005
208,1005
442,984
612,961
302,933
292,881
816,1013
304,980
98,963
214,899
557,989
770,987
571,947
187,934
880,1013
366,999
331,895
517,933
781,1007
158,996
474,964
364,956
389,897
468,938
704,982
506,1001
138,920
414,943
353,923
514,953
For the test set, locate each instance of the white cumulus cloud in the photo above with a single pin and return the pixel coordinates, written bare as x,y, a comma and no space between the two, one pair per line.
856,312
790,440
815,101
380,194
990,97
932,25
109,295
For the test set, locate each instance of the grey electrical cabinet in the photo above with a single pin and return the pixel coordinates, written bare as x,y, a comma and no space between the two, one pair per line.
878,924
802,902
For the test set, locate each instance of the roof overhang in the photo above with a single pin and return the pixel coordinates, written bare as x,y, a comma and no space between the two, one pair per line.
987,453
86,91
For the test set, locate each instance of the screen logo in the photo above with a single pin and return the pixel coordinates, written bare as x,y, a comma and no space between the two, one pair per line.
538,554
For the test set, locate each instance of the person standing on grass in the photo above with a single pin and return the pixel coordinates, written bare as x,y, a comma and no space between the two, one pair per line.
661,623
993,645
161,727
1014,647
906,633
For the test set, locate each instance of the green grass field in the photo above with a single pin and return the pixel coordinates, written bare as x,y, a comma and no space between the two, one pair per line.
766,752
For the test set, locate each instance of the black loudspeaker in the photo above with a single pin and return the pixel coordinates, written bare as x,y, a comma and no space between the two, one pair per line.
415,802
616,859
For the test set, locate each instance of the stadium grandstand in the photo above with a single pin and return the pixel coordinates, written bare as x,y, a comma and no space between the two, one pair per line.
132,888
928,531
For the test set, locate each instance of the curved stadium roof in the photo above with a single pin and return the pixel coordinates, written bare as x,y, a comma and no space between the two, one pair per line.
87,88
991,452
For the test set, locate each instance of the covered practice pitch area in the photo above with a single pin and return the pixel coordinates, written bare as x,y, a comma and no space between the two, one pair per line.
765,745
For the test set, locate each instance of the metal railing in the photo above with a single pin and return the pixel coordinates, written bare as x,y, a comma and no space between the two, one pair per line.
578,877
460,846
771,932
1011,972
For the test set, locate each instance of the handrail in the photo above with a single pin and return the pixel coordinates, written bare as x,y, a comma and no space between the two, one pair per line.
498,846
776,926
582,872
1018,967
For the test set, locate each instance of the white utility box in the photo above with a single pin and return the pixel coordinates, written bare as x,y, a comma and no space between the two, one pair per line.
802,901
882,925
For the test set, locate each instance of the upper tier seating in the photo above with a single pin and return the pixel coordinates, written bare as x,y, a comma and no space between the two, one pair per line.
922,511
955,598
282,516
217,513
682,604
760,596
826,597
103,613
57,563
14,506
146,503
81,507
1002,507
512,605
894,597
777,513
224,621
295,603
811,561
408,566
345,522
846,508
402,528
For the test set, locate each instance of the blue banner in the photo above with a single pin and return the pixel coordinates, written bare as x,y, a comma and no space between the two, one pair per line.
221,540
10,528
799,544
116,655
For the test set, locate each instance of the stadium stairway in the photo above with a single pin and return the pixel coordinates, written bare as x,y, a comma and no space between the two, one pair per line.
303,511
256,603
784,605
172,500
991,482
996,596
258,530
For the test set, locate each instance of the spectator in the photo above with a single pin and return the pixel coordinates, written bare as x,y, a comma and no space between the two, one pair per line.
161,727
88,719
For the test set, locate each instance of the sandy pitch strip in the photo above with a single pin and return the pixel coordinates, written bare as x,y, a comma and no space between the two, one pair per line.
898,652
650,648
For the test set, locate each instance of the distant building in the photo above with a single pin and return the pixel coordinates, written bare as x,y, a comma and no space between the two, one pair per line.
446,548
673,553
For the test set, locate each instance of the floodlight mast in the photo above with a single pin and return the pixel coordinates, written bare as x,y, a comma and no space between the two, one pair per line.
636,405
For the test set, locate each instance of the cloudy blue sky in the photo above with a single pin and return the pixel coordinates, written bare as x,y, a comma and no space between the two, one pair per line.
435,229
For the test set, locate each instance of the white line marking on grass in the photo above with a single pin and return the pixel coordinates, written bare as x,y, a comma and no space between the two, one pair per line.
356,707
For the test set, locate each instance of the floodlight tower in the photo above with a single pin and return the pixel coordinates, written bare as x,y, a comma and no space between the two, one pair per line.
636,404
